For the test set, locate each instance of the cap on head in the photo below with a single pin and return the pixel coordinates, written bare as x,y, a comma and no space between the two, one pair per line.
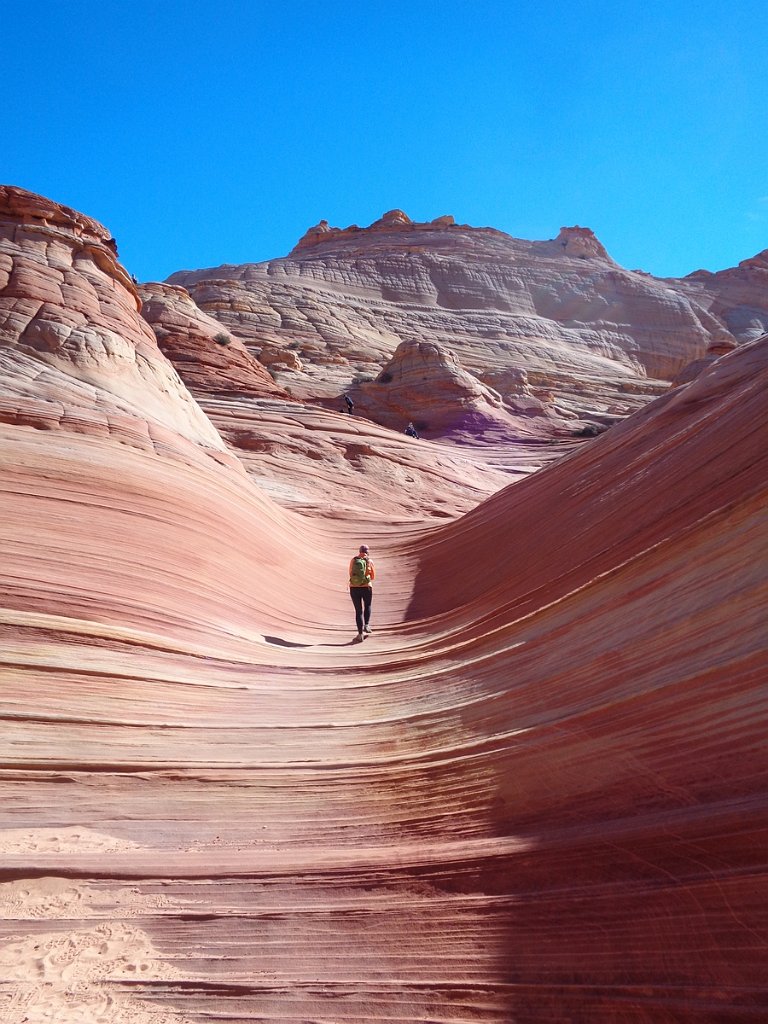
363,549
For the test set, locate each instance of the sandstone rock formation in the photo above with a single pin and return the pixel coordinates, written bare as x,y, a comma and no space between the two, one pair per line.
595,339
393,221
207,358
74,353
738,297
537,793
580,242
716,348
424,383
308,456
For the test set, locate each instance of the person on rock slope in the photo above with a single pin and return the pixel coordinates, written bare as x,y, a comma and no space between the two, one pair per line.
361,575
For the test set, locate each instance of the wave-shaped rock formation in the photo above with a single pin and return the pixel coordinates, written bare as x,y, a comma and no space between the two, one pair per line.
536,793
304,455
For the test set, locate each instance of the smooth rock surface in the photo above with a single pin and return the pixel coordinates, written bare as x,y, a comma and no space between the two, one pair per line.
536,793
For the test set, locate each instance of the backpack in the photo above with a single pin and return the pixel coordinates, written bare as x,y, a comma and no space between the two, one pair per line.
359,576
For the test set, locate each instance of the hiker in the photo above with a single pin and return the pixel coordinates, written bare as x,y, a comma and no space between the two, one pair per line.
350,404
411,431
361,575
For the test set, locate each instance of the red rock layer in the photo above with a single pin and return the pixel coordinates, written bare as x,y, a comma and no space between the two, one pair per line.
206,356
536,793
74,353
425,384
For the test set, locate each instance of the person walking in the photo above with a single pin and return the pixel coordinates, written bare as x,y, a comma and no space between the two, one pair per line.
361,575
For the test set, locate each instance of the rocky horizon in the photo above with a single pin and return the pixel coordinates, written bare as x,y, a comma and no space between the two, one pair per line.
538,791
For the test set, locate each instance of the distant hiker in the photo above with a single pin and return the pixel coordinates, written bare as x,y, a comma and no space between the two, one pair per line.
361,575
350,404
411,431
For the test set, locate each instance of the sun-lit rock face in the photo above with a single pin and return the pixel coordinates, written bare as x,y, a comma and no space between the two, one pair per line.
535,793
307,457
581,243
393,220
206,356
719,346
74,352
424,383
737,296
562,310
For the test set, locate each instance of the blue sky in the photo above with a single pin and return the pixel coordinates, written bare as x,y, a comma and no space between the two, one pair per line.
209,133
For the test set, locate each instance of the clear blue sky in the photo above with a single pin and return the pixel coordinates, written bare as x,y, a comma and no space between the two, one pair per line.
207,133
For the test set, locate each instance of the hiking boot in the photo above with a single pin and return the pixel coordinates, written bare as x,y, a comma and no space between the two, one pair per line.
367,629
358,639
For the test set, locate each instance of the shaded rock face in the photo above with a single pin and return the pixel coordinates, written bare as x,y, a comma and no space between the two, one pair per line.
536,793
562,310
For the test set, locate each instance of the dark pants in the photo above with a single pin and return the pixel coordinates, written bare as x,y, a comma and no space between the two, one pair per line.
361,599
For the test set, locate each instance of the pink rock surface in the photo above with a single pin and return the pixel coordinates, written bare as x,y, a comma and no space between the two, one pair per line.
561,310
75,353
716,348
308,458
304,456
425,383
536,793
206,356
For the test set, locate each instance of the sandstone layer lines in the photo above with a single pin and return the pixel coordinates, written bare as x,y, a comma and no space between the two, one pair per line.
536,793
562,310
498,780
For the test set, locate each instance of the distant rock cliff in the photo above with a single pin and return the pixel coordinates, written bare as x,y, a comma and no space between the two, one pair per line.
206,356
425,383
738,296
561,310
393,221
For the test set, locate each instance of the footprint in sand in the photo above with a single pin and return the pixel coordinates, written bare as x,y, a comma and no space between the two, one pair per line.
72,840
59,978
